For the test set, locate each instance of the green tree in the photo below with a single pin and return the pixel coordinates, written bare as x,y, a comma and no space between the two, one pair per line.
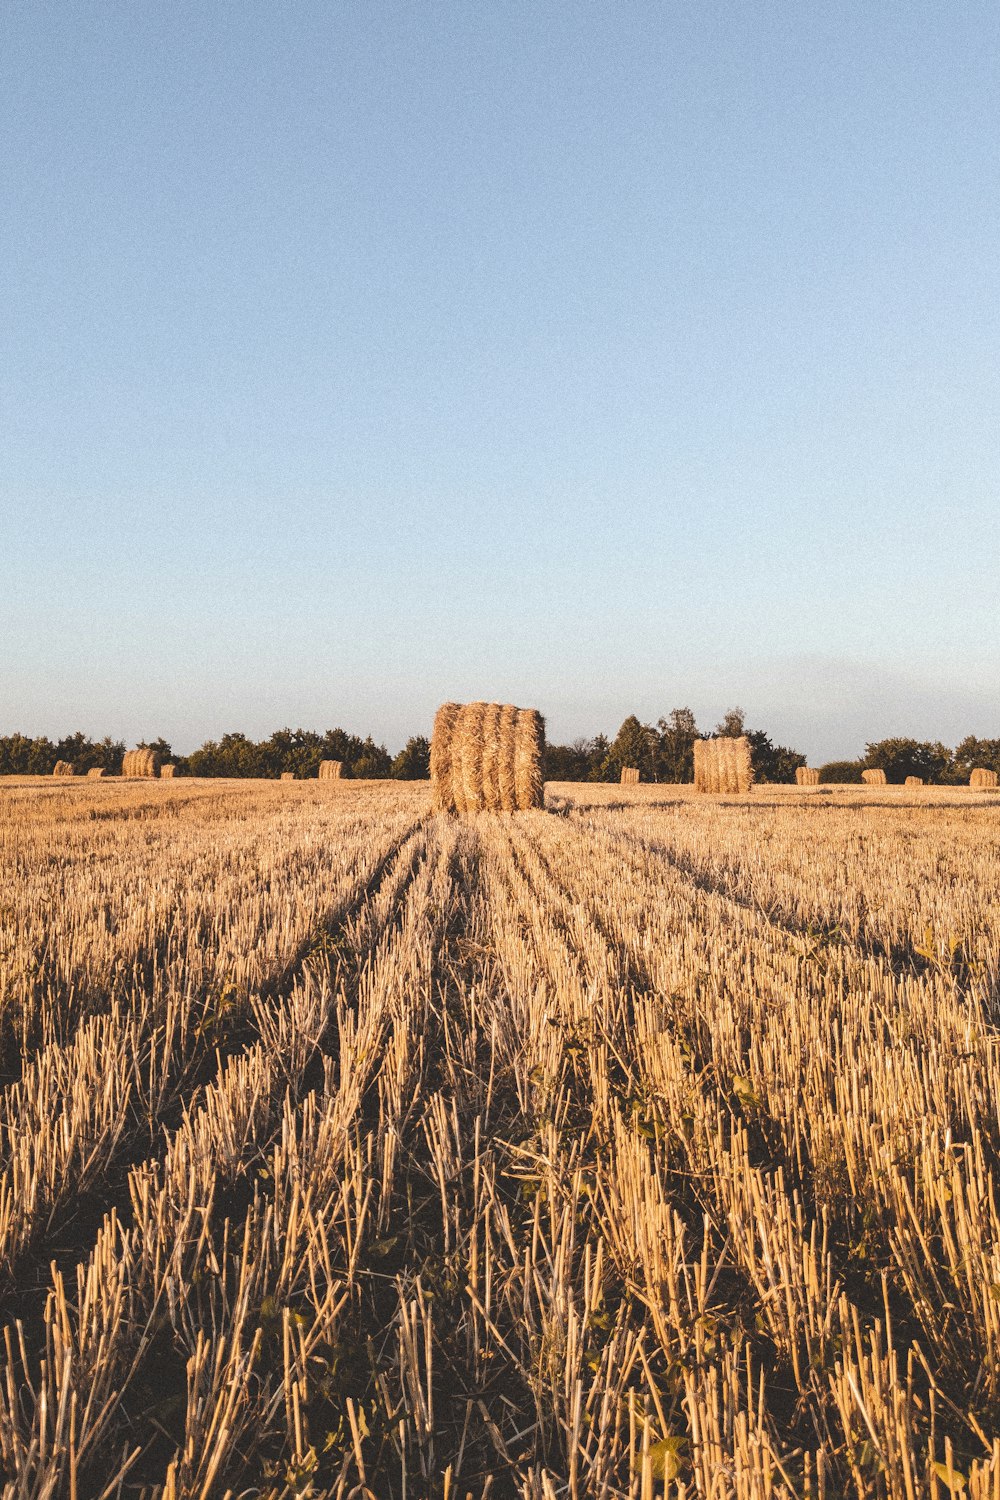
675,746
841,771
900,758
733,724
635,744
972,752
413,763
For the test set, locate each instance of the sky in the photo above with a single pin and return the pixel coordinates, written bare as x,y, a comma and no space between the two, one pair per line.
600,358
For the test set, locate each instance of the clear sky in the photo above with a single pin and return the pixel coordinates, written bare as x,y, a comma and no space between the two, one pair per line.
600,357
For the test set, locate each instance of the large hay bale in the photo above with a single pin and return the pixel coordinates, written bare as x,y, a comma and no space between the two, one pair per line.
873,777
329,770
288,775
63,768
982,779
807,776
914,781
630,775
723,765
487,756
95,772
168,772
141,762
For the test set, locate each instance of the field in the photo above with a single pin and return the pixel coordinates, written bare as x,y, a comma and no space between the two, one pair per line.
643,1146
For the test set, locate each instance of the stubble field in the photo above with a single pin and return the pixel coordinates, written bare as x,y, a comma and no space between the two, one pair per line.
643,1146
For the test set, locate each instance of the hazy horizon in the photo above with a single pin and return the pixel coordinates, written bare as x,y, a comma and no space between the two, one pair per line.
604,360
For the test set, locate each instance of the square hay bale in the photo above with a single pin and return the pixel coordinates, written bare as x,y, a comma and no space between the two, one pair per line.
168,772
329,770
873,777
983,779
630,775
487,757
288,776
723,765
807,776
914,781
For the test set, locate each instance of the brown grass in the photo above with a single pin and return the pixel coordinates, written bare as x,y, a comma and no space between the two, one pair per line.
630,776
807,776
723,765
487,756
329,770
983,779
873,777
141,762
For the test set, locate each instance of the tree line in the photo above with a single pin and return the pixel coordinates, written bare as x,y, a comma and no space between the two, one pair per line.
662,752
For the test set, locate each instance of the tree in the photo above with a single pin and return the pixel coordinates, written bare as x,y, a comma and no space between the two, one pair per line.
772,763
675,746
413,763
634,745
900,758
972,752
841,771
733,724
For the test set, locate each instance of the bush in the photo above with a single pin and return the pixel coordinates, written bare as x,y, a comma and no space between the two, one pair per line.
841,771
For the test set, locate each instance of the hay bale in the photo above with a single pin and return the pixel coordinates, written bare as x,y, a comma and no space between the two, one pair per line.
168,772
807,776
982,779
914,781
723,765
141,762
288,776
873,777
444,732
95,772
329,770
63,768
630,775
487,756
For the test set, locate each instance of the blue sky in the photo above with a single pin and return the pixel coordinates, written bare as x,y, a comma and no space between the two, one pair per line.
602,357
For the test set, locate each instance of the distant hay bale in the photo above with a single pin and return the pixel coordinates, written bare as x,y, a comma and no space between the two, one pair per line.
723,765
487,757
95,772
873,777
288,775
329,770
169,771
63,768
914,781
630,775
807,776
142,762
982,779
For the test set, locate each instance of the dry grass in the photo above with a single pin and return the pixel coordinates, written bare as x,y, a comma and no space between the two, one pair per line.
487,756
807,776
141,762
723,765
645,1150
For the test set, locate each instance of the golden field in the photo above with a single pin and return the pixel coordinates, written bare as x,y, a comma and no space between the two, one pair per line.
641,1146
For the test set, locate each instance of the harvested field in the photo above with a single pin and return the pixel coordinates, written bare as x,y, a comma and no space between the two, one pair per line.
641,1146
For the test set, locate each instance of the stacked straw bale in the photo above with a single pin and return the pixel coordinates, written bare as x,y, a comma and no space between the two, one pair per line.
288,775
982,779
95,772
487,756
63,768
723,765
807,776
169,771
873,778
914,781
630,775
140,763
329,770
